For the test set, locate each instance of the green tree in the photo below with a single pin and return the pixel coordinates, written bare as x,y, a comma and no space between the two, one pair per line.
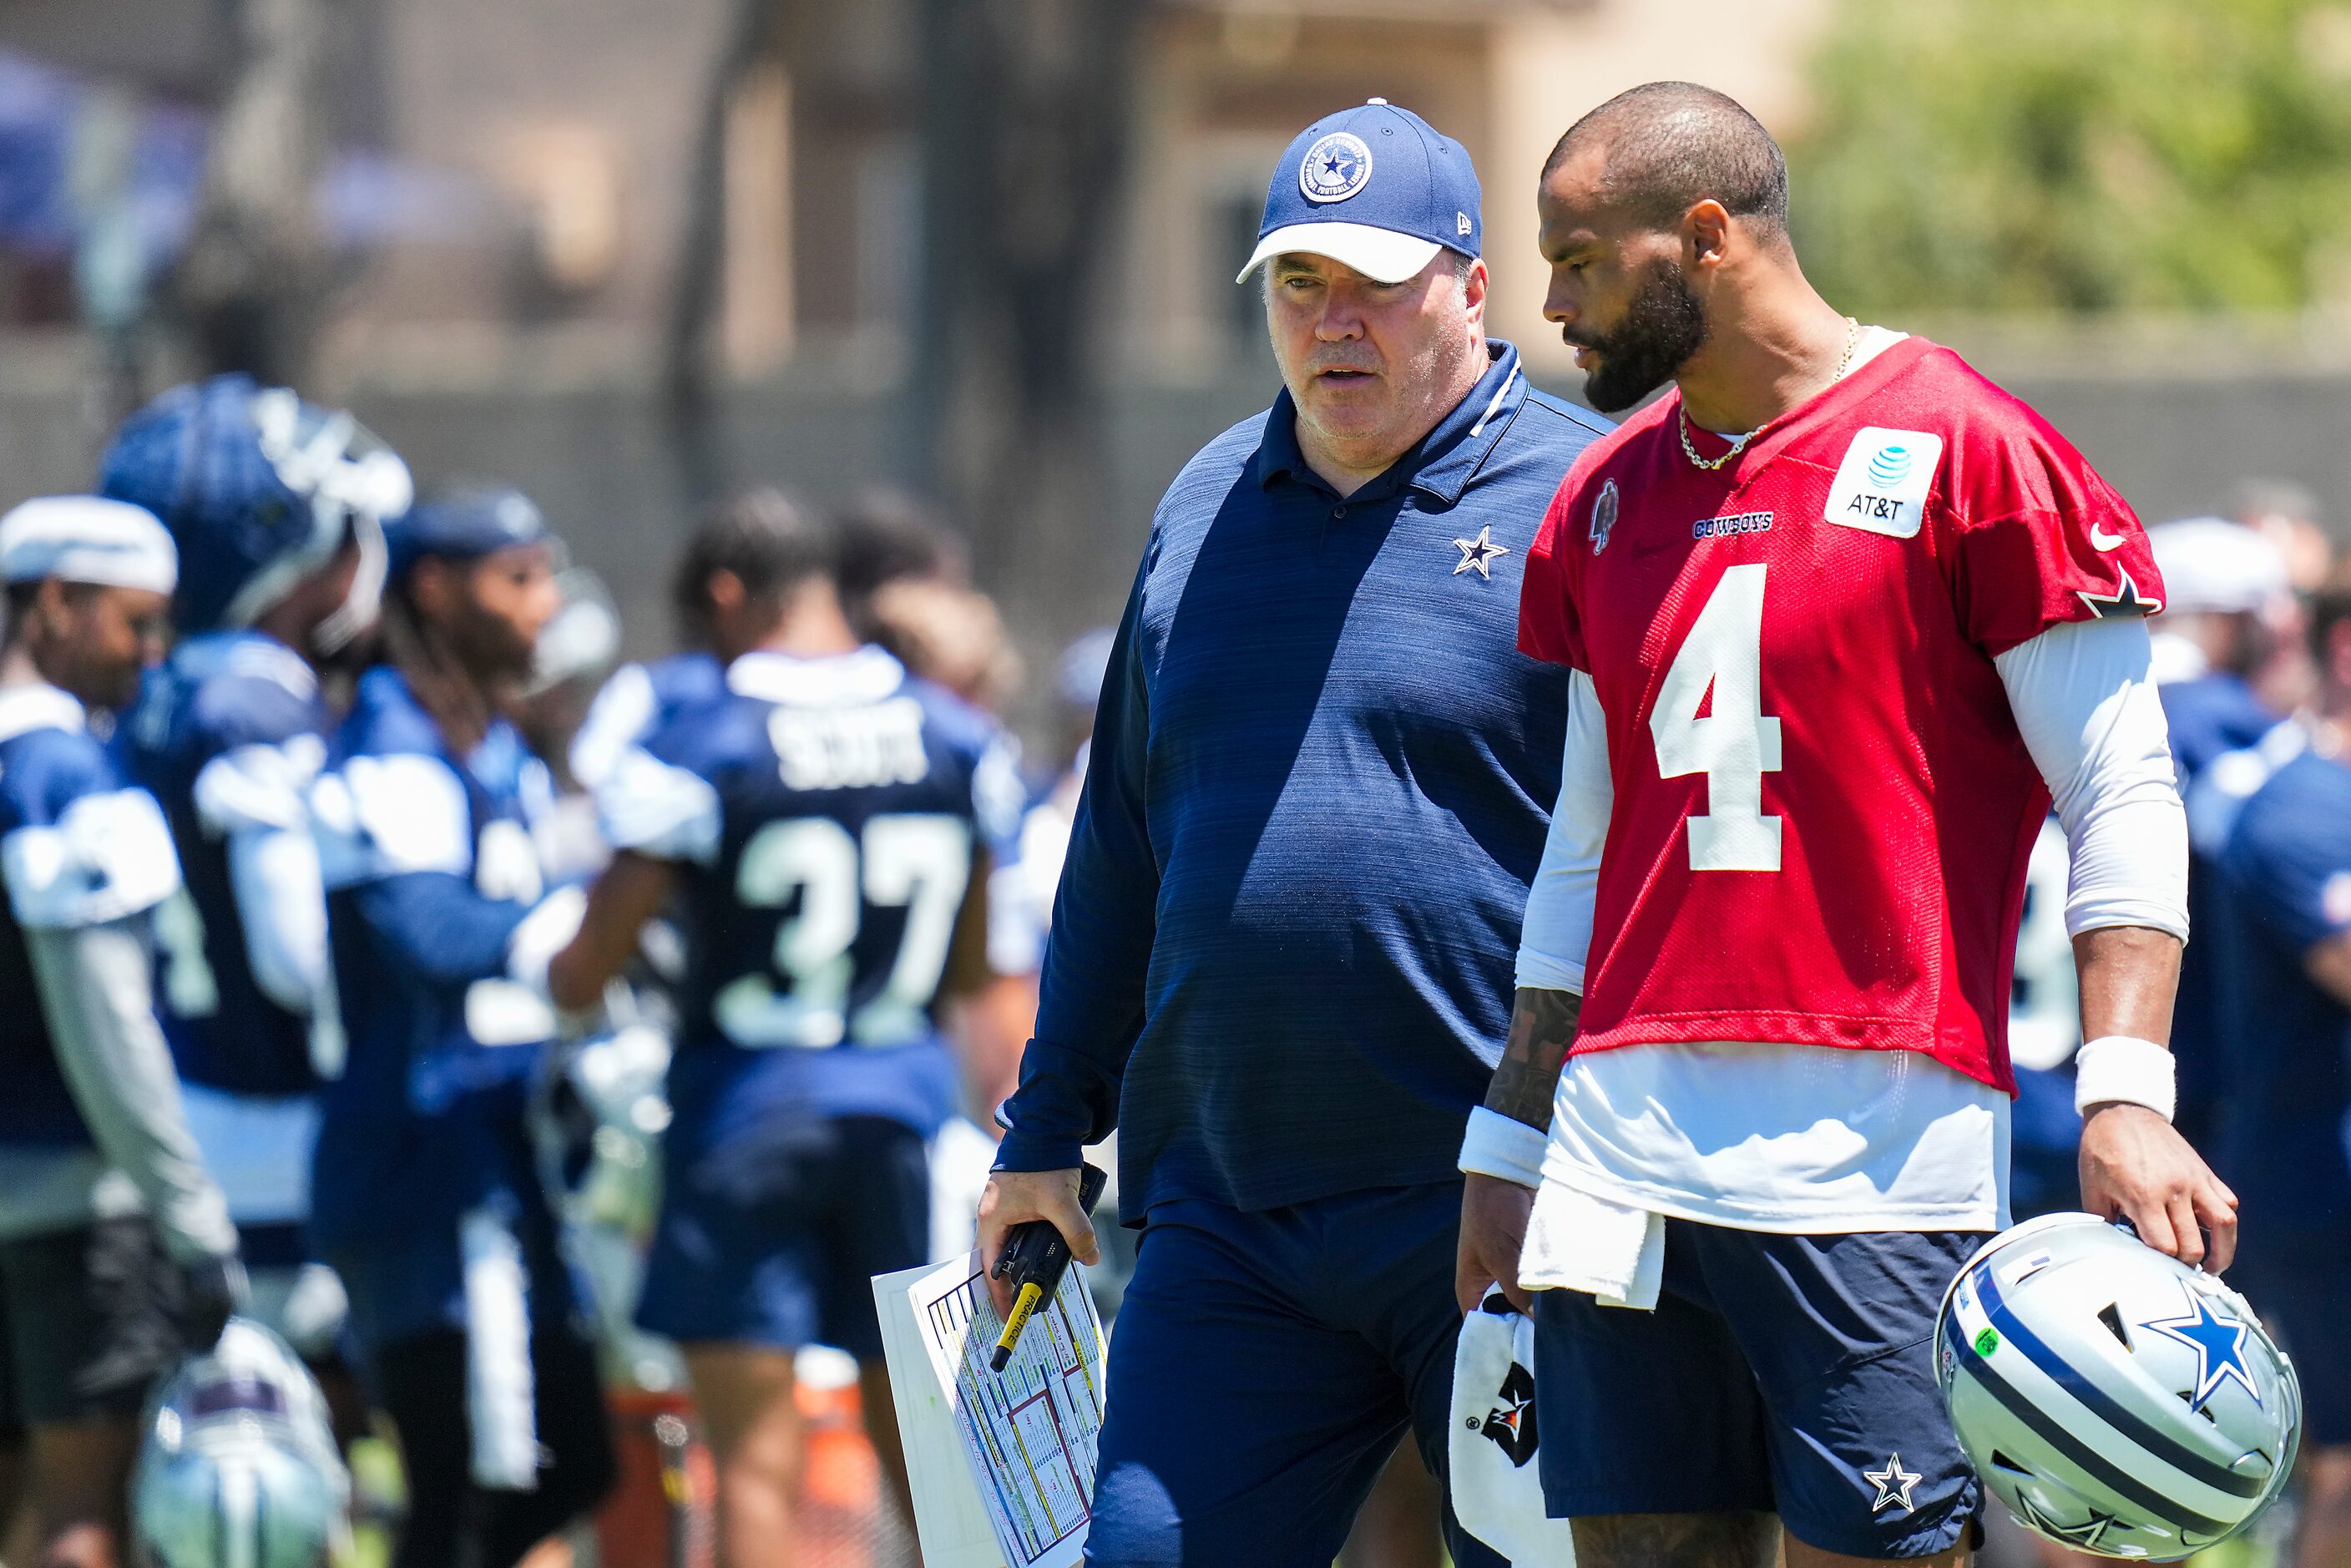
2077,155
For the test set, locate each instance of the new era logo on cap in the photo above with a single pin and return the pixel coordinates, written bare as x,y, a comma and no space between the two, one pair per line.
1376,189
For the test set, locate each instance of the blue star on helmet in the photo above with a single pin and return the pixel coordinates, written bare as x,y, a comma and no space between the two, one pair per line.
2220,1343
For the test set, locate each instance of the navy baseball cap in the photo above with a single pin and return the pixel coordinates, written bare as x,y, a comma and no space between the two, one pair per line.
1376,188
463,525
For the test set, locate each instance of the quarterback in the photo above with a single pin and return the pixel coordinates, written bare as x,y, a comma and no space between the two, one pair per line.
1844,620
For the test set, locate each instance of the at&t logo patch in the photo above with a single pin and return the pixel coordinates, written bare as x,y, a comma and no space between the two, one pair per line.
1881,486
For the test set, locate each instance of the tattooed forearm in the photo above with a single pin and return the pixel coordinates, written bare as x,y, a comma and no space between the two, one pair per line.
1543,1027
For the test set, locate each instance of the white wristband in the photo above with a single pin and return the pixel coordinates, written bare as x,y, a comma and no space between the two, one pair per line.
1507,1149
2117,1068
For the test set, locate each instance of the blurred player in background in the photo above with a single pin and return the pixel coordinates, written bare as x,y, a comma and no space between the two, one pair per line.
277,509
886,536
1845,620
2294,522
826,824
426,1194
110,1228
638,698
575,653
2285,1138
2228,608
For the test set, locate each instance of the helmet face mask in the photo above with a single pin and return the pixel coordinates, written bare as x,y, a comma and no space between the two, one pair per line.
2113,1399
239,1468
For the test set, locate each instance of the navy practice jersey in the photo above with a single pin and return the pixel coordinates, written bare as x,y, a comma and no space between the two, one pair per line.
229,734
2210,716
824,813
80,845
2287,865
429,866
1321,776
637,700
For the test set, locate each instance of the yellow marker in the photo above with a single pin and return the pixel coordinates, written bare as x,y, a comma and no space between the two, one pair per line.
1023,1304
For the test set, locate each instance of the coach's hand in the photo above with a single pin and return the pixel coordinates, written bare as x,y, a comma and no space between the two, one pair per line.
1015,1198
1493,1228
2135,1165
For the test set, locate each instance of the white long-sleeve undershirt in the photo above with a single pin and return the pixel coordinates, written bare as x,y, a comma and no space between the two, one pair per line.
1778,1136
2086,706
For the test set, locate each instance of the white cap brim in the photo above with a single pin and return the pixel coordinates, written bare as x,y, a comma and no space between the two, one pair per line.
1382,255
86,539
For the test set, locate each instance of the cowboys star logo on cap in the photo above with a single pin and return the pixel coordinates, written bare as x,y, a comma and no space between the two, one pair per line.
1334,168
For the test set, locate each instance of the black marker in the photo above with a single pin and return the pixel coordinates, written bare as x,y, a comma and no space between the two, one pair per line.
1035,1258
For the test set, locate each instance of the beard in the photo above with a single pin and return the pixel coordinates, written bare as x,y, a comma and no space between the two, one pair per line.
1662,328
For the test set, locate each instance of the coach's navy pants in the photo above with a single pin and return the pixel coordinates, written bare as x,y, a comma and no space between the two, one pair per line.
1262,1370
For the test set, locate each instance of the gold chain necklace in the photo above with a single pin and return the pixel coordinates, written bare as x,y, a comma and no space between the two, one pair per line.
1738,443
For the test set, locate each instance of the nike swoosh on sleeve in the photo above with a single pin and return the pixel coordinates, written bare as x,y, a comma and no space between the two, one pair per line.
2103,540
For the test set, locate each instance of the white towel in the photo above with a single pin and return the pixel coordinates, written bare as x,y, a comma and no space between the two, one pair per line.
1497,1485
1579,1242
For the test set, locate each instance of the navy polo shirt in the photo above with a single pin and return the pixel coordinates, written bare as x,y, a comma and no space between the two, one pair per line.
1281,956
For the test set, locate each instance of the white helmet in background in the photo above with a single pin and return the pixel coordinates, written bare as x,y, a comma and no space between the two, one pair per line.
240,1468
2116,1400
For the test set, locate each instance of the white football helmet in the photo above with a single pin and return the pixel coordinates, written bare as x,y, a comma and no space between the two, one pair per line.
239,1468
2116,1400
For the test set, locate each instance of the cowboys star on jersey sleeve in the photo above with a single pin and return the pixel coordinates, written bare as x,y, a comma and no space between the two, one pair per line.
2037,535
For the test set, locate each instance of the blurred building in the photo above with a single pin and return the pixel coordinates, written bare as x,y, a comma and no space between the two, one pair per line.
510,186
523,167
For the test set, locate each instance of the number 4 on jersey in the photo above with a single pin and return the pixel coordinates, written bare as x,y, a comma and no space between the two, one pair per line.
1734,745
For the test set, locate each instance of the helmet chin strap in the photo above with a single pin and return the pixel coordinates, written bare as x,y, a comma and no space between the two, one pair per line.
359,607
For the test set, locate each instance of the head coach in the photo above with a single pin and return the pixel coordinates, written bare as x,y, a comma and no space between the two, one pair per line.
1318,789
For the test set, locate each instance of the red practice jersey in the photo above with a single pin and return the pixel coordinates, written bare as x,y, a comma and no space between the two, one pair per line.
1823,806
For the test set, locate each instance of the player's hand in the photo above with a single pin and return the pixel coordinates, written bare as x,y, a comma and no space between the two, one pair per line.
1493,1228
1015,1198
213,1289
2137,1167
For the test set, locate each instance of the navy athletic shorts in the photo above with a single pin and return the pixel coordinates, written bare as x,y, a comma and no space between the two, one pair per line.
1791,1375
89,1320
2299,1280
1264,1364
773,1237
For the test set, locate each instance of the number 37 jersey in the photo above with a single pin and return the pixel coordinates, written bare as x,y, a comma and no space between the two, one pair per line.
1823,808
824,815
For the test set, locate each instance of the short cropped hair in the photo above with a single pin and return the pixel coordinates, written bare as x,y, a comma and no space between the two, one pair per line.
1669,145
2330,607
770,543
